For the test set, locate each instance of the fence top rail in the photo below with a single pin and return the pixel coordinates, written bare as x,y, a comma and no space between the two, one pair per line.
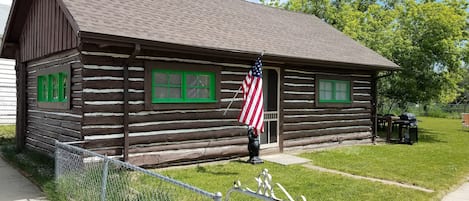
67,146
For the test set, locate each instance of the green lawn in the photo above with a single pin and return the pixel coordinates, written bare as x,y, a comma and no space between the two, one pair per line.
439,161
296,179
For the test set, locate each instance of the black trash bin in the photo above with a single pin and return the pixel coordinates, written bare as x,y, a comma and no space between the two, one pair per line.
411,127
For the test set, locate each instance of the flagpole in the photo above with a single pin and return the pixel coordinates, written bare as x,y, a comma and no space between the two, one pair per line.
237,92
231,102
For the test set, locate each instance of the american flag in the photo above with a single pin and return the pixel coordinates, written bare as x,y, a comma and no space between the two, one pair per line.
252,112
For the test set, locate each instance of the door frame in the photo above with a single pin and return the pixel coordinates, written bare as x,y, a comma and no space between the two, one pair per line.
277,143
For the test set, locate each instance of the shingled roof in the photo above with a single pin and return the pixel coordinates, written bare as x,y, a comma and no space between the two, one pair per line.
226,25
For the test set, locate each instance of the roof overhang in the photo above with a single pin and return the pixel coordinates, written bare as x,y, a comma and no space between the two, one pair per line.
13,28
90,37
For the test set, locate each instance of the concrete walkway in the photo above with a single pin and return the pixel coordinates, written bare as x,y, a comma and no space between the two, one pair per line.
460,194
15,187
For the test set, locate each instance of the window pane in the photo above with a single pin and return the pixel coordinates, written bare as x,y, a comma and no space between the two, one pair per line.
191,80
160,92
160,78
175,79
55,87
204,93
326,95
204,80
192,93
174,92
323,85
341,95
64,86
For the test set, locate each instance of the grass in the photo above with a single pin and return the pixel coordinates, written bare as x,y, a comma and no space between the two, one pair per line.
7,134
296,179
35,166
438,161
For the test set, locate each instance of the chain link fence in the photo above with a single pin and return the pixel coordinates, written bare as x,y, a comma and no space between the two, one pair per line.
84,175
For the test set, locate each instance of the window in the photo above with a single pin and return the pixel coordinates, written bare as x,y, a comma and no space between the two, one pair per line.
171,85
182,86
334,91
53,87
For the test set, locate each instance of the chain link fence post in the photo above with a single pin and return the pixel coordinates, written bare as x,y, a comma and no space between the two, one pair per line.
104,179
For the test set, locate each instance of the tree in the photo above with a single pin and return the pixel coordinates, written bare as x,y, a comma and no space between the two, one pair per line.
428,39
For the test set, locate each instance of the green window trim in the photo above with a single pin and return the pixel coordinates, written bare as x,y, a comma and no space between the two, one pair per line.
182,86
333,91
52,87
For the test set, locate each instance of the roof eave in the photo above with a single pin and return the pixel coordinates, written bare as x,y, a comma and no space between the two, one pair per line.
13,27
248,55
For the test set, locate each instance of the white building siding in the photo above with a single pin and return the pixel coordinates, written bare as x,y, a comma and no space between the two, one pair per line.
7,92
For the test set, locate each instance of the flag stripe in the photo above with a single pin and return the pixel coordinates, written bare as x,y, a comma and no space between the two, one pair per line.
252,112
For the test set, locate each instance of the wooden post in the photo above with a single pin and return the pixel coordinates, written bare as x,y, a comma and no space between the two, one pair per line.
389,128
280,112
126,101
374,105
21,97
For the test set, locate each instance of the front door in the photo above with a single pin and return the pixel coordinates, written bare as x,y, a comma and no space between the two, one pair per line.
271,97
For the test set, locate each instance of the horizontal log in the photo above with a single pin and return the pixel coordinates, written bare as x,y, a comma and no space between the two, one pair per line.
322,132
326,124
187,136
59,123
325,139
101,131
103,84
203,114
294,80
306,97
112,96
104,144
113,120
142,148
299,88
324,118
99,73
192,155
186,125
326,111
47,127
39,146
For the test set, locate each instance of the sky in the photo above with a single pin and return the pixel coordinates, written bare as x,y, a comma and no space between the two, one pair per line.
7,2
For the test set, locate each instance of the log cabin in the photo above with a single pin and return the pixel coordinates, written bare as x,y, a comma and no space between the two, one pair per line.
149,81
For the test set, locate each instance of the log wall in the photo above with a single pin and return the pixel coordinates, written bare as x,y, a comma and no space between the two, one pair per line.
169,136
158,136
306,123
46,125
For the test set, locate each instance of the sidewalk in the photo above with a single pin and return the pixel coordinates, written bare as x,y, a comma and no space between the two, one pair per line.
15,187
460,194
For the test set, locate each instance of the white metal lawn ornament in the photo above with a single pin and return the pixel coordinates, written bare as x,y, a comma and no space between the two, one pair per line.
264,191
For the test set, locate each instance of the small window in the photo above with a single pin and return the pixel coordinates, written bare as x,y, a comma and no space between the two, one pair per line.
334,91
52,87
182,86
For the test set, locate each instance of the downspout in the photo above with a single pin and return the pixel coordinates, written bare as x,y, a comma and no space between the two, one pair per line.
126,100
374,104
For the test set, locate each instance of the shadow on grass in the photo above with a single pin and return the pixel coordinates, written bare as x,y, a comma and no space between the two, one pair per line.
424,135
429,136
201,169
